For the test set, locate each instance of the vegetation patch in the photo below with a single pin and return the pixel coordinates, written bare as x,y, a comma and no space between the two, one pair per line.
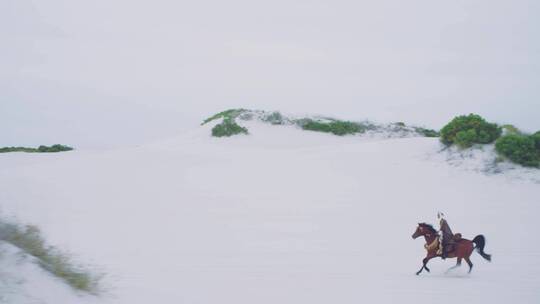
514,145
467,130
536,138
401,126
18,149
510,129
30,240
336,127
274,118
521,149
427,132
228,128
227,114
40,149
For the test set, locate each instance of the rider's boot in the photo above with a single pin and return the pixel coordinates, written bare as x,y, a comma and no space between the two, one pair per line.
444,254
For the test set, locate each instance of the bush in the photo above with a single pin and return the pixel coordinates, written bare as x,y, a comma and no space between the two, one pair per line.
40,149
520,149
510,129
536,138
274,118
227,114
336,127
54,148
228,128
427,132
17,149
30,240
465,139
467,130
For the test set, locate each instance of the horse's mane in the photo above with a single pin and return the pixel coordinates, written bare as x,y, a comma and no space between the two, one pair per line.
428,226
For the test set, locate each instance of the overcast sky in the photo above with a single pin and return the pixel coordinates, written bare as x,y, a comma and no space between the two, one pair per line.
94,73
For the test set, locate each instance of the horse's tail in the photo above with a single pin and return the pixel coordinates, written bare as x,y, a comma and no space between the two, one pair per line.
479,242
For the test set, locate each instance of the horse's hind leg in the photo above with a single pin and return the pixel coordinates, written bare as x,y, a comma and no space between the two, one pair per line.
468,260
458,263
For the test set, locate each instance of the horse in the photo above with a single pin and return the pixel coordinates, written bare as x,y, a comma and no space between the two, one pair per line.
463,248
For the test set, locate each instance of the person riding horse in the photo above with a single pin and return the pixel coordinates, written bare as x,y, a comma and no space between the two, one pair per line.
447,243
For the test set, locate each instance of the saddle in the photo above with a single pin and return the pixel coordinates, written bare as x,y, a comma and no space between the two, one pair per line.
436,244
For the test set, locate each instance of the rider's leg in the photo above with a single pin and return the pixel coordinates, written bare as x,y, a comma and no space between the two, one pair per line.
444,251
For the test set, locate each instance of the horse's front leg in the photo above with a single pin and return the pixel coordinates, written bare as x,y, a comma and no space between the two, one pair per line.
424,263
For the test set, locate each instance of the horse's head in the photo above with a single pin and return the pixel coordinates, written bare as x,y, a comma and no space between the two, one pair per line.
423,229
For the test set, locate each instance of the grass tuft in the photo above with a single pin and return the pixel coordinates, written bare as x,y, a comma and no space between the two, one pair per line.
30,240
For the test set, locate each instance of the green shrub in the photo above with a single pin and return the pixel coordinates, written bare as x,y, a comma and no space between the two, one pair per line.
510,129
30,240
520,149
467,130
40,149
54,148
466,139
227,114
228,128
427,132
536,138
274,118
336,127
17,149
398,126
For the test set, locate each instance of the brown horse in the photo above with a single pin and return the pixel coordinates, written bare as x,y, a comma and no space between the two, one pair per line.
462,248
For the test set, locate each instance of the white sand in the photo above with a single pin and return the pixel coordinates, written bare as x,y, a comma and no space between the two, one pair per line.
279,216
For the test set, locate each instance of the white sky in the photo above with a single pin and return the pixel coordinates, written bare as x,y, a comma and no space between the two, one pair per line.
102,72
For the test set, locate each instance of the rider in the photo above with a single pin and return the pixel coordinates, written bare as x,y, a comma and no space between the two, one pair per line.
447,236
